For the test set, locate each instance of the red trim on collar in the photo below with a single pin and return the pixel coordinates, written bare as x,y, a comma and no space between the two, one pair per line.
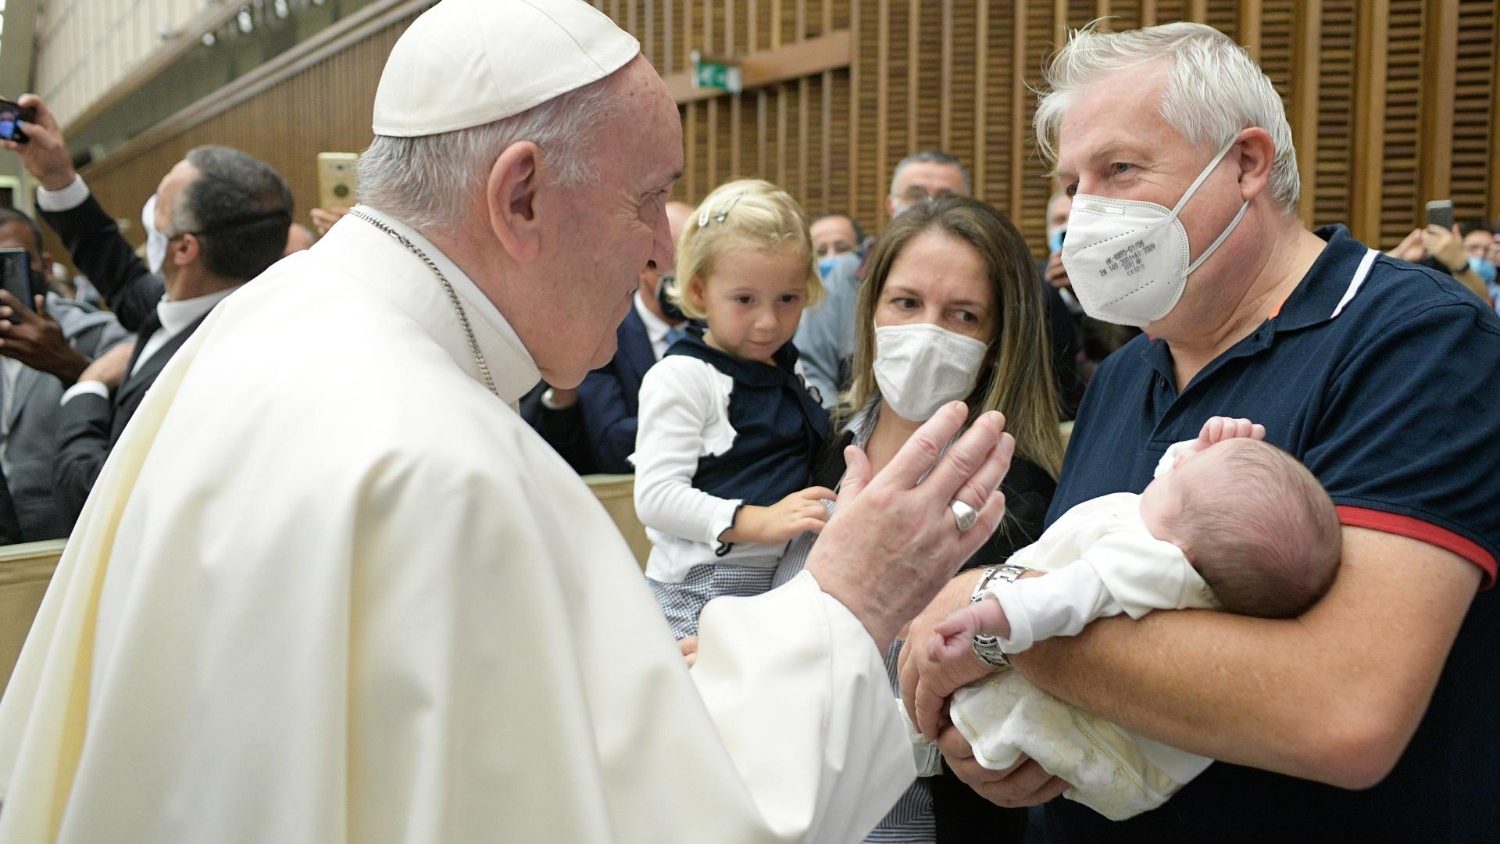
1424,532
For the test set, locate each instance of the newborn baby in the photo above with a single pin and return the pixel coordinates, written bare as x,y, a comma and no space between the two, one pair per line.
1230,523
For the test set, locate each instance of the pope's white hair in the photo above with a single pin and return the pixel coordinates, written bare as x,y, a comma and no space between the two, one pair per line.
1214,90
429,181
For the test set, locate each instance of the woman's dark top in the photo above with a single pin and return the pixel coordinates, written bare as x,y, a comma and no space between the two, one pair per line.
961,814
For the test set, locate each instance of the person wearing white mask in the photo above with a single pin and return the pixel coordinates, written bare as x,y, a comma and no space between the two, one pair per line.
951,311
826,336
218,219
1361,719
331,587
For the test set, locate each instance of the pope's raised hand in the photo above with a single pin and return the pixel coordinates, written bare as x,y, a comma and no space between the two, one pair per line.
894,540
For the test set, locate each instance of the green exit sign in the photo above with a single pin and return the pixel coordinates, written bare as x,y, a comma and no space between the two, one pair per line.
717,74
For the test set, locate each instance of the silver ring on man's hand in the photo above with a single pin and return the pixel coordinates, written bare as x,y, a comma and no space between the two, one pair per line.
963,513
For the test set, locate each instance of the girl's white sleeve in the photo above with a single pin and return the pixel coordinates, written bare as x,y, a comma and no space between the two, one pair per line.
683,415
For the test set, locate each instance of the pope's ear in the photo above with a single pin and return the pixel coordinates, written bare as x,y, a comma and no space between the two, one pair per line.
512,194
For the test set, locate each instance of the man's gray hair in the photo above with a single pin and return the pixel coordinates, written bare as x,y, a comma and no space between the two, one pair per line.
1214,90
932,156
429,181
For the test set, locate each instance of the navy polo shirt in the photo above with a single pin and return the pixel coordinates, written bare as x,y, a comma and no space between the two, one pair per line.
1384,379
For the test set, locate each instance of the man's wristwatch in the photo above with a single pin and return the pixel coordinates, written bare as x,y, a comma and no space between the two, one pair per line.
987,647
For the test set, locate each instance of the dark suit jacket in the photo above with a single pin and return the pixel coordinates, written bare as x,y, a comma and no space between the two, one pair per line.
89,426
562,429
610,397
97,249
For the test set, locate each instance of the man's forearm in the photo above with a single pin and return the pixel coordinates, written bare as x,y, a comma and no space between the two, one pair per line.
1332,696
82,446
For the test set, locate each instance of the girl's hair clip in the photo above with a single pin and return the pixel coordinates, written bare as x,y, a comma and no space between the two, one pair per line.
722,214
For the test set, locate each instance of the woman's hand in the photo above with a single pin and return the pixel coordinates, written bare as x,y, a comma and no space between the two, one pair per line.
895,541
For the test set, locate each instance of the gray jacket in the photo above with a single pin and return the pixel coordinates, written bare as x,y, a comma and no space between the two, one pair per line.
31,429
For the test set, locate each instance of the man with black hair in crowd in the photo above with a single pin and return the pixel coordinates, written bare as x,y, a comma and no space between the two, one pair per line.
835,234
224,216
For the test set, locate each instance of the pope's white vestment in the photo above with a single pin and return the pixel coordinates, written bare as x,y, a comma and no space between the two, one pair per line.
330,588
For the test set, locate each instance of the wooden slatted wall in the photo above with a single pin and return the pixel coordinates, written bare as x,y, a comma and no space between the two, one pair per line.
1392,101
1475,184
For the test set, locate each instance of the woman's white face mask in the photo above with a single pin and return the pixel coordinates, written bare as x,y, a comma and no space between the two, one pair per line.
921,367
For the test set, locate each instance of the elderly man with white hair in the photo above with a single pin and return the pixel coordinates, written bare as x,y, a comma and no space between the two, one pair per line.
1370,717
367,603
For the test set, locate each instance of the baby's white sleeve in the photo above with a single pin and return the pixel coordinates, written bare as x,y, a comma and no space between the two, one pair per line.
1059,603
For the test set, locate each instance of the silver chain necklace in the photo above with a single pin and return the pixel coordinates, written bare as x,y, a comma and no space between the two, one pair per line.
458,308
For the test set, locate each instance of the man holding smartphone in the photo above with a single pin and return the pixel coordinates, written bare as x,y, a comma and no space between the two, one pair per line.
47,345
1440,246
225,216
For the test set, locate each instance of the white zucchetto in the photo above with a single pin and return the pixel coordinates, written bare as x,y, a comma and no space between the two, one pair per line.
465,63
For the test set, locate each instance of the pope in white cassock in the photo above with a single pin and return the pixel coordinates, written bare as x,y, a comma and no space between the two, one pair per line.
330,587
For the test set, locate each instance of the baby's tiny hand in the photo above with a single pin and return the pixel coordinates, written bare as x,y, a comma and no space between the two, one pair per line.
952,635
957,631
1220,428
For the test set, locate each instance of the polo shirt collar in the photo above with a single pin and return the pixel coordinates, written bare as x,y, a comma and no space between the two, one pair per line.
1335,277
1337,273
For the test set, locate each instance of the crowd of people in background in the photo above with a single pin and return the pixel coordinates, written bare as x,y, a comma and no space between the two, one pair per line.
81,340
75,373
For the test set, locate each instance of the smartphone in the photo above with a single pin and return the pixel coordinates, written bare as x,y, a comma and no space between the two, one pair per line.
1440,213
11,116
338,179
15,276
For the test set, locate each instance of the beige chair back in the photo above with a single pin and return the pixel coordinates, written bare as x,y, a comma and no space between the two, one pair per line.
617,494
25,571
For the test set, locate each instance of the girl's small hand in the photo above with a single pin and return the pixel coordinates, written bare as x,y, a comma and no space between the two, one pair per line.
799,512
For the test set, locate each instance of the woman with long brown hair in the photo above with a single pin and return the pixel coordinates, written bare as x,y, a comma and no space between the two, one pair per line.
951,309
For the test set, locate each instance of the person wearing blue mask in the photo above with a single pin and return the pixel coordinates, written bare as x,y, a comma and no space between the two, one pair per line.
1098,339
1479,242
833,235
825,337
1442,249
